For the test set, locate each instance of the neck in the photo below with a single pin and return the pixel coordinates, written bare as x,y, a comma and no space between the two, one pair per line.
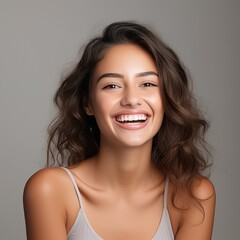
126,168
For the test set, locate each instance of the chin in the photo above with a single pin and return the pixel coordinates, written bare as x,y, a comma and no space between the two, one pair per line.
135,143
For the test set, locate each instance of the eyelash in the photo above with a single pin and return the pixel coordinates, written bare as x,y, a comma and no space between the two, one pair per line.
111,86
114,86
149,84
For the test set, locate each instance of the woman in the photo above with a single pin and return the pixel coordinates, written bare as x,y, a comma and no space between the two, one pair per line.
131,136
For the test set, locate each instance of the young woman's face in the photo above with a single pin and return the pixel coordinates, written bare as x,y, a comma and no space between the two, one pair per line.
125,96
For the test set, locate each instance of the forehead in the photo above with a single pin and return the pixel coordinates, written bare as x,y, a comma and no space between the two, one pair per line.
125,58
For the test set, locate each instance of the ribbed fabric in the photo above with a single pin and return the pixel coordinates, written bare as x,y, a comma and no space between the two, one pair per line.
82,229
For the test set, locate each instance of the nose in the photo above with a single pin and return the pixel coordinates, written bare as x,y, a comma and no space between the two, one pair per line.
131,98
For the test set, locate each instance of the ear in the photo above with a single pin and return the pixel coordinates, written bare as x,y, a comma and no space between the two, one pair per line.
88,109
87,106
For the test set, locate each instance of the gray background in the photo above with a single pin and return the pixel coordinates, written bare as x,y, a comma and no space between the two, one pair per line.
39,40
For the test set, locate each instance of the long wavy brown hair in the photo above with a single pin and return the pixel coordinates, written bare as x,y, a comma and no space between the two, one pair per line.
178,149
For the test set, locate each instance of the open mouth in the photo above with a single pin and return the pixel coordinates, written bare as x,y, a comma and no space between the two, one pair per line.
135,118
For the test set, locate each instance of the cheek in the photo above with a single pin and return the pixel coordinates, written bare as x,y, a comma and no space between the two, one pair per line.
156,104
155,101
102,106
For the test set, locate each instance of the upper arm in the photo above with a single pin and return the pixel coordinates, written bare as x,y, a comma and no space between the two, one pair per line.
197,220
44,210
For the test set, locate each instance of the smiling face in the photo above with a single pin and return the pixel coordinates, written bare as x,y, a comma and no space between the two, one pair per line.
125,97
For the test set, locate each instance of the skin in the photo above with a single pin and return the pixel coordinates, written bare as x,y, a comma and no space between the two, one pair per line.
122,192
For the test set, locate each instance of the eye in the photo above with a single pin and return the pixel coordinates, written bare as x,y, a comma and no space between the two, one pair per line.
149,84
111,86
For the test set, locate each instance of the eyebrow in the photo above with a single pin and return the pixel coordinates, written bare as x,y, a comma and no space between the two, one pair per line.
143,74
118,75
111,75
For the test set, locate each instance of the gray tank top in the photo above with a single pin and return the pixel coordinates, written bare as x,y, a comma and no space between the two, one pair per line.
82,229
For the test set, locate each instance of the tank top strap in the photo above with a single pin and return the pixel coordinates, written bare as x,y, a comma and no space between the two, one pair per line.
74,184
165,196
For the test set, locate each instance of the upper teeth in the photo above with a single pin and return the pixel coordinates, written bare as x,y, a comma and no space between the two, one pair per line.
135,117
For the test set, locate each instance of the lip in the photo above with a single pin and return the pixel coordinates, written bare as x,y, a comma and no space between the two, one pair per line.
131,125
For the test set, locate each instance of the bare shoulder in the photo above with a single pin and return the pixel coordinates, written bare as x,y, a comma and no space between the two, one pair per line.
45,199
198,216
45,182
203,189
